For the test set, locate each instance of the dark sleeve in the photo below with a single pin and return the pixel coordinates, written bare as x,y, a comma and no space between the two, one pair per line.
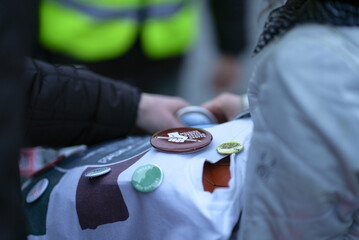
14,16
229,25
68,106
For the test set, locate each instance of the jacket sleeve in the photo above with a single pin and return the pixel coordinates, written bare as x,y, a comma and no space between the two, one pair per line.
302,171
15,38
229,25
67,105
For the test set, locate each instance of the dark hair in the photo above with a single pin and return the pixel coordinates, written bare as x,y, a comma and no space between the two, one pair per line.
279,21
293,12
271,4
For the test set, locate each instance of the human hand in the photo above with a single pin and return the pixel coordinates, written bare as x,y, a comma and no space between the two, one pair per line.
158,112
226,106
226,72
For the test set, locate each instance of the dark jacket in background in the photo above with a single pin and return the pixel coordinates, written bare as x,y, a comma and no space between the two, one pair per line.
43,104
68,105
13,45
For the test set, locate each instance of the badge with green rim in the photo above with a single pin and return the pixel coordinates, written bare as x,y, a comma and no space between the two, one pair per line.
147,178
181,140
230,147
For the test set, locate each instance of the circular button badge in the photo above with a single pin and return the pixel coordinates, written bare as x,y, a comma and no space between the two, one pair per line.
147,178
230,147
37,191
97,172
180,140
195,115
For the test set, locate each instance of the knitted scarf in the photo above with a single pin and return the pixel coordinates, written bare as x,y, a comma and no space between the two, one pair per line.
294,12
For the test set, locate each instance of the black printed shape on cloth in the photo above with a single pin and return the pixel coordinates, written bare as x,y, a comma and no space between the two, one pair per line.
99,200
108,152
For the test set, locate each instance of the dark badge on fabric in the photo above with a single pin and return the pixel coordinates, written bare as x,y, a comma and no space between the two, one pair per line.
37,191
181,140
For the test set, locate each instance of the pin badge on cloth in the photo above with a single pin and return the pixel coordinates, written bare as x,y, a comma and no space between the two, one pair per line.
147,178
181,140
97,172
230,147
37,191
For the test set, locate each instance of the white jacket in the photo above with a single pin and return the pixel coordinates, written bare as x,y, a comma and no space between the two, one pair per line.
303,166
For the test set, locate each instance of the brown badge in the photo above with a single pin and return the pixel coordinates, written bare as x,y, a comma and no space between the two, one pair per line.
180,140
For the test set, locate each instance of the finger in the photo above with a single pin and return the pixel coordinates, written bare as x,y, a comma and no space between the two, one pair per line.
171,122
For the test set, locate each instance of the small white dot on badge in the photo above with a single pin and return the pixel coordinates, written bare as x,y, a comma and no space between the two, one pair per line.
97,172
147,178
230,147
37,191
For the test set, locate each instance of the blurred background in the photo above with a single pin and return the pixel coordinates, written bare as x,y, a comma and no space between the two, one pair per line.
163,47
199,66
59,44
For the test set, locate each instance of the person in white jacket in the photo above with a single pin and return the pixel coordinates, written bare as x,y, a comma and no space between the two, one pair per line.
303,164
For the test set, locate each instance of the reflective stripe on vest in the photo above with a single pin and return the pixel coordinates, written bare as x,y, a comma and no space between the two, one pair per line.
93,32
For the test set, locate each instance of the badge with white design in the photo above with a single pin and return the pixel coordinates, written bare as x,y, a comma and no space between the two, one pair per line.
180,140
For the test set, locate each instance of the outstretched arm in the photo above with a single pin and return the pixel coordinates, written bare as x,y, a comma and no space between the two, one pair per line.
69,106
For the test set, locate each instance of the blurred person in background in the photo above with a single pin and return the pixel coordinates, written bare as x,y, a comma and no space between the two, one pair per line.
141,42
302,172
48,105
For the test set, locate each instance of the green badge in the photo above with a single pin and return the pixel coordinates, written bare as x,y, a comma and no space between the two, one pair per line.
147,178
230,147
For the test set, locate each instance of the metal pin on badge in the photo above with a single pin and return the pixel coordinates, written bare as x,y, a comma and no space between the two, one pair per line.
147,178
37,191
230,147
97,172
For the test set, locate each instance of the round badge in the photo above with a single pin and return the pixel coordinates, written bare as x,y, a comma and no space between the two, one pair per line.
230,147
147,178
97,172
195,115
180,140
37,191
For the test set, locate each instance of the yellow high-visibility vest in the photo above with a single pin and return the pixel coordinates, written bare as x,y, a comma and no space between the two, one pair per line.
94,30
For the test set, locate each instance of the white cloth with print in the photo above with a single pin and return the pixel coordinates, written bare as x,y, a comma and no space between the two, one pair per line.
178,209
